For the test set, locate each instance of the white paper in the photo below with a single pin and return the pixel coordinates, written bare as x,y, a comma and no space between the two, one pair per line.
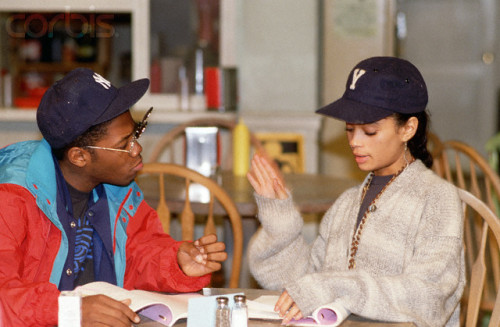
177,304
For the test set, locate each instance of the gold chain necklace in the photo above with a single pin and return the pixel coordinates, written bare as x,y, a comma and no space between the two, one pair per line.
372,207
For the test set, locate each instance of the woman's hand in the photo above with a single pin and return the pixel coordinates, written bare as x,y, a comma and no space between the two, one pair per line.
265,179
287,308
202,256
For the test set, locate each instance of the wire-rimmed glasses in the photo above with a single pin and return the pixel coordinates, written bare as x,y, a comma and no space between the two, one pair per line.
141,127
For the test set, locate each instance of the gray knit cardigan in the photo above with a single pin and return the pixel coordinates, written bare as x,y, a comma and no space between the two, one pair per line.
409,263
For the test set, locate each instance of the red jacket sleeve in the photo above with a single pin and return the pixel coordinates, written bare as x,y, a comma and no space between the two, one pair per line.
28,246
152,257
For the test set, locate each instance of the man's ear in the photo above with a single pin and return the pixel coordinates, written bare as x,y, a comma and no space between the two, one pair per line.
410,128
78,156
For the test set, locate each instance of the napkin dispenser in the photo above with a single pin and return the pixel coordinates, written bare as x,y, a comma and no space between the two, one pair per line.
202,155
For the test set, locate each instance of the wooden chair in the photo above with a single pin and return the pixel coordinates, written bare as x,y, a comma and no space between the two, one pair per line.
481,228
171,146
286,149
219,205
463,166
435,145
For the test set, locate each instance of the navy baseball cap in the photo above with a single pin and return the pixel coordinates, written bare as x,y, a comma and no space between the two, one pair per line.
80,100
378,87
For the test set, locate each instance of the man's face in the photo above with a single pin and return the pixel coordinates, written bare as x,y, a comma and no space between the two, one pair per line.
115,167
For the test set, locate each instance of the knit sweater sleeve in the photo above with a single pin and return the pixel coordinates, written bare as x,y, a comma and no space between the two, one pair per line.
278,251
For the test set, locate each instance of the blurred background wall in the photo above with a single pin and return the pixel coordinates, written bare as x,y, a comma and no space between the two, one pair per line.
293,56
296,55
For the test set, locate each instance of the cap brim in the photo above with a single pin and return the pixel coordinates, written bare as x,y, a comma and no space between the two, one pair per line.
127,96
353,112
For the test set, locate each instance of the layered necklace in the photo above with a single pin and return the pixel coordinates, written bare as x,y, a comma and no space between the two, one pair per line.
371,208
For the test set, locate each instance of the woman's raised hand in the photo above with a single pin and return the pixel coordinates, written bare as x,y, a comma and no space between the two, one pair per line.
266,180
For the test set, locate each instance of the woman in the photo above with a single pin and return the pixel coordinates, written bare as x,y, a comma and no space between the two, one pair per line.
389,249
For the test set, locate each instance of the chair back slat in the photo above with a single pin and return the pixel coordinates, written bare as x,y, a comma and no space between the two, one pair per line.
480,179
459,171
162,208
477,278
210,225
170,205
474,182
447,168
489,194
495,263
187,216
469,242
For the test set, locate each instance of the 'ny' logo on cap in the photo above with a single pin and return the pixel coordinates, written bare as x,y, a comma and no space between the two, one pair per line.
101,80
355,76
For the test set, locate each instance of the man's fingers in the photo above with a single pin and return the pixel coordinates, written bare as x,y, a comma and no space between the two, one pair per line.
204,249
195,253
218,256
214,247
121,307
208,244
213,265
127,302
212,252
101,309
206,239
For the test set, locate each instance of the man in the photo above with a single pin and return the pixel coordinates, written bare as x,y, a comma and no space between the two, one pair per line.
72,214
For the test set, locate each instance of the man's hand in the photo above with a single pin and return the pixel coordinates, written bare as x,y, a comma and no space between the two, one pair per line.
202,256
287,308
101,310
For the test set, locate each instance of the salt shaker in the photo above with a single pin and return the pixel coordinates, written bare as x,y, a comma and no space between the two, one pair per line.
239,313
222,314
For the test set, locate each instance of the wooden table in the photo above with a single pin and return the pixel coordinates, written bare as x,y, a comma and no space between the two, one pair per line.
312,193
352,320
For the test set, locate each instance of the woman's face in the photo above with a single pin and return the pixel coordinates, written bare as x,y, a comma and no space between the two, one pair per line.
378,146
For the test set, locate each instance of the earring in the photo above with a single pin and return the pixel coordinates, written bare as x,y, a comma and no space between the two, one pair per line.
404,154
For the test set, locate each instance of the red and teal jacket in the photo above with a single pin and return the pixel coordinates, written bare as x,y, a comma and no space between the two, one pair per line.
34,246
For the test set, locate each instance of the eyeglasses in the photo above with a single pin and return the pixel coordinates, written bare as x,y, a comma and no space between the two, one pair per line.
141,127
